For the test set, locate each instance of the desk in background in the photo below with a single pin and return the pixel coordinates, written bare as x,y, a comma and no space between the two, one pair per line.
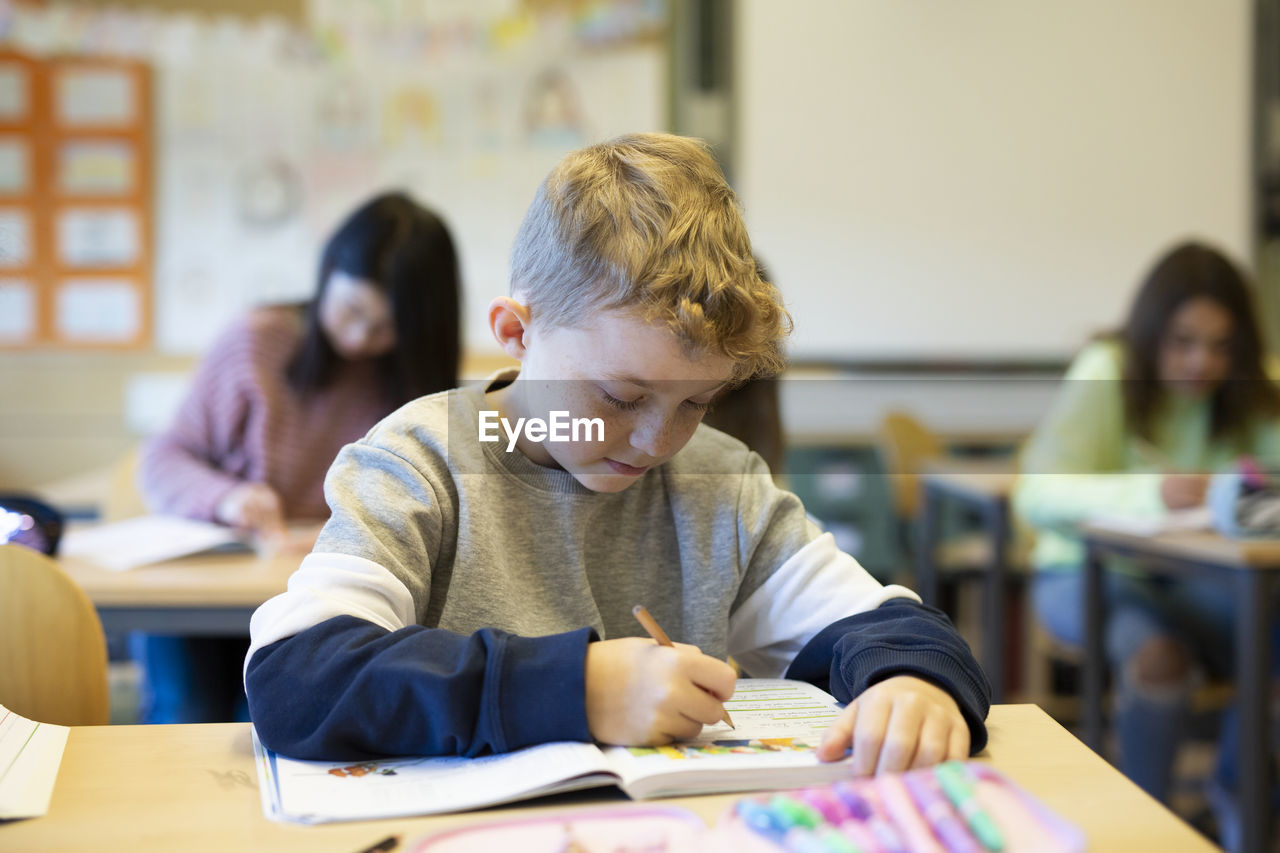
1253,568
202,594
983,485
194,787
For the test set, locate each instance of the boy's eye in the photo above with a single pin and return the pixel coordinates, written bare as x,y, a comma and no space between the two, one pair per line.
699,407
624,405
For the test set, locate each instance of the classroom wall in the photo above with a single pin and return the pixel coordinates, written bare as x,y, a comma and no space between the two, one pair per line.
355,104
913,196
933,179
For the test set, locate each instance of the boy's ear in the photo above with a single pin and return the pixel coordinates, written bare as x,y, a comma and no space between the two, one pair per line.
509,322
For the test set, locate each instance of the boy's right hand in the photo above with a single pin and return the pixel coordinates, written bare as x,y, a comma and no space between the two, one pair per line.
640,693
253,506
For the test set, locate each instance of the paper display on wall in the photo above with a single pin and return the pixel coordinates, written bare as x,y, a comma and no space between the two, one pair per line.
17,310
14,102
98,310
96,168
94,98
15,237
98,237
15,166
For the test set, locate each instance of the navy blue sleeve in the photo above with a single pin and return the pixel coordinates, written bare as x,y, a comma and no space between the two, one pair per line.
900,637
347,689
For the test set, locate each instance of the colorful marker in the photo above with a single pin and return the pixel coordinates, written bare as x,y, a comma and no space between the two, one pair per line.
901,808
959,788
792,812
760,820
857,832
936,808
826,803
888,837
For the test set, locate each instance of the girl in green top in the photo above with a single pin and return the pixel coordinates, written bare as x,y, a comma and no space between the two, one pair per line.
1144,417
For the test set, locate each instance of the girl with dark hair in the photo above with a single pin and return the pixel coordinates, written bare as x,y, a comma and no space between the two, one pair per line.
1144,417
275,398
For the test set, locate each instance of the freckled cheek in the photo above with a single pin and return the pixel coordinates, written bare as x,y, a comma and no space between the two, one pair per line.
685,427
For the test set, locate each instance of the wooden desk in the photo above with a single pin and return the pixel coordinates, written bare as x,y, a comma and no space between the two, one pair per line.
984,485
194,787
204,594
1253,568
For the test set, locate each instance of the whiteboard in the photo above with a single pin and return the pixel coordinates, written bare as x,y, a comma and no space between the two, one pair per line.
984,179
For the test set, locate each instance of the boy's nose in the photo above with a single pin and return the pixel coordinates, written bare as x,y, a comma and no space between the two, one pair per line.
652,436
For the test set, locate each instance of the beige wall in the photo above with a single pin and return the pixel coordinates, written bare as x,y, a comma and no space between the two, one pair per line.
63,413
931,180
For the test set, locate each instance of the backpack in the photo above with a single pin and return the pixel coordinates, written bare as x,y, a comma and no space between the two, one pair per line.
24,520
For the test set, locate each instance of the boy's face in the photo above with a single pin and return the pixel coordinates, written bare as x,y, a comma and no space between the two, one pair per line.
632,375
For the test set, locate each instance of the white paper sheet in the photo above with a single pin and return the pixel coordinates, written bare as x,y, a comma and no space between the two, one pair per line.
17,310
98,309
15,237
109,237
1195,518
94,97
30,754
14,99
146,539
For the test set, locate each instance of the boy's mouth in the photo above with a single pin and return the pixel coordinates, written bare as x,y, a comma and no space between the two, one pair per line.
625,469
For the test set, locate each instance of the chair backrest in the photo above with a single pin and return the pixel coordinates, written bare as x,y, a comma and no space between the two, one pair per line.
905,445
53,655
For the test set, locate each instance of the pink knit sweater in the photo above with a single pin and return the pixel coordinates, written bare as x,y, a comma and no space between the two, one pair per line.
242,422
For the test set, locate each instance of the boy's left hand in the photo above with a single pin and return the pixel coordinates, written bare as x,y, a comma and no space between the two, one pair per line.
897,724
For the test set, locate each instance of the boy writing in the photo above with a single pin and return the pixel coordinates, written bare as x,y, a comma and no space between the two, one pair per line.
472,590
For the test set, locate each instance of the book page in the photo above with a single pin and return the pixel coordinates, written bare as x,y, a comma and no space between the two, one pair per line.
325,791
30,754
778,725
775,708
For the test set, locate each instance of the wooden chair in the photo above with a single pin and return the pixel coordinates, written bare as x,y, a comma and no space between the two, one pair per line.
906,446
53,656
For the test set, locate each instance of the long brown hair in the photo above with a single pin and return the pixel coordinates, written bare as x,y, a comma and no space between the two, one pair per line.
406,251
1186,272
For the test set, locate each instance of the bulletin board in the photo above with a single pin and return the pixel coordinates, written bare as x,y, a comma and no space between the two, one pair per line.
75,203
265,132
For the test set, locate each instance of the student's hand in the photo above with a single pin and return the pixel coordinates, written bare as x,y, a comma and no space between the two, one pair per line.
291,541
640,693
255,507
1184,491
898,724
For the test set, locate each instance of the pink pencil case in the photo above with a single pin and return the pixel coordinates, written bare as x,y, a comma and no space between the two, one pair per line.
896,819
608,829
901,812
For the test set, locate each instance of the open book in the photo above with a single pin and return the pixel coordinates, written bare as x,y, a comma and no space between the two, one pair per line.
30,753
778,725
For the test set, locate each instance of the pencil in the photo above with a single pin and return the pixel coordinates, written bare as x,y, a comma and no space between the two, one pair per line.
660,637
